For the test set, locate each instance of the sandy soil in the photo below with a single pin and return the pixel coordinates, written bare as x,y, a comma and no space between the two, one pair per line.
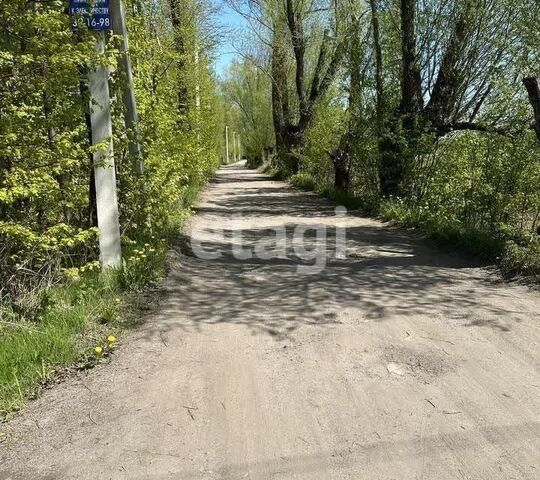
401,362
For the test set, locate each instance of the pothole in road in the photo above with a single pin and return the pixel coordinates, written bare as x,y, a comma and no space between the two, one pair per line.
400,369
401,362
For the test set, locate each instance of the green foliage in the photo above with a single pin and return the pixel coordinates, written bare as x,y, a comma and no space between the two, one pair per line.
44,159
480,193
303,181
484,245
323,138
480,181
474,191
367,205
54,302
522,259
247,90
317,171
46,212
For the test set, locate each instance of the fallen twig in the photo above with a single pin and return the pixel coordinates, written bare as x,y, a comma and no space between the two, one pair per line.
438,340
91,419
189,411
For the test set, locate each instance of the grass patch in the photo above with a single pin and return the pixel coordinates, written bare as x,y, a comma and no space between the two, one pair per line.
303,181
522,257
77,317
516,253
368,206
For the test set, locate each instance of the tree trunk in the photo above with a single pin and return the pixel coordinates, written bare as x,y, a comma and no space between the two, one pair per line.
177,7
531,84
451,78
411,83
294,22
342,179
391,162
379,86
393,153
343,157
294,140
290,135
280,95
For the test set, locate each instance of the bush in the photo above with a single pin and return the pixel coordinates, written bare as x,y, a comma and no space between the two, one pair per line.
522,259
303,181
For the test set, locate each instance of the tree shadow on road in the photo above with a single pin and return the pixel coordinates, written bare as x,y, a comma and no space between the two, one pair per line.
270,296
387,273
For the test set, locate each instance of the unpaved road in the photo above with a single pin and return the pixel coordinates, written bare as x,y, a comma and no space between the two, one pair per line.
401,362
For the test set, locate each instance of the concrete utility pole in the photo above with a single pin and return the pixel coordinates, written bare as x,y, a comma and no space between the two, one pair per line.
227,143
118,18
197,85
197,93
239,147
234,146
104,171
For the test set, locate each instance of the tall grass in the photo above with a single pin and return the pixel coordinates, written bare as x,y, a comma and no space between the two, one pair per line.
76,318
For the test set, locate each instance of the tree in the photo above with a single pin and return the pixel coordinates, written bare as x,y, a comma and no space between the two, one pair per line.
181,12
247,92
307,45
326,62
447,73
533,91
47,194
343,156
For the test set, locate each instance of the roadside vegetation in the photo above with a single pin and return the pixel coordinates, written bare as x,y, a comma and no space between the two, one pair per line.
57,309
423,113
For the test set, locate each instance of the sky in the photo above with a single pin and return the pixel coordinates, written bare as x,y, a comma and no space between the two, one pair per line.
232,21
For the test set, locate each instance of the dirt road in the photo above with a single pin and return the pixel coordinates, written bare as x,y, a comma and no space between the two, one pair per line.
401,362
